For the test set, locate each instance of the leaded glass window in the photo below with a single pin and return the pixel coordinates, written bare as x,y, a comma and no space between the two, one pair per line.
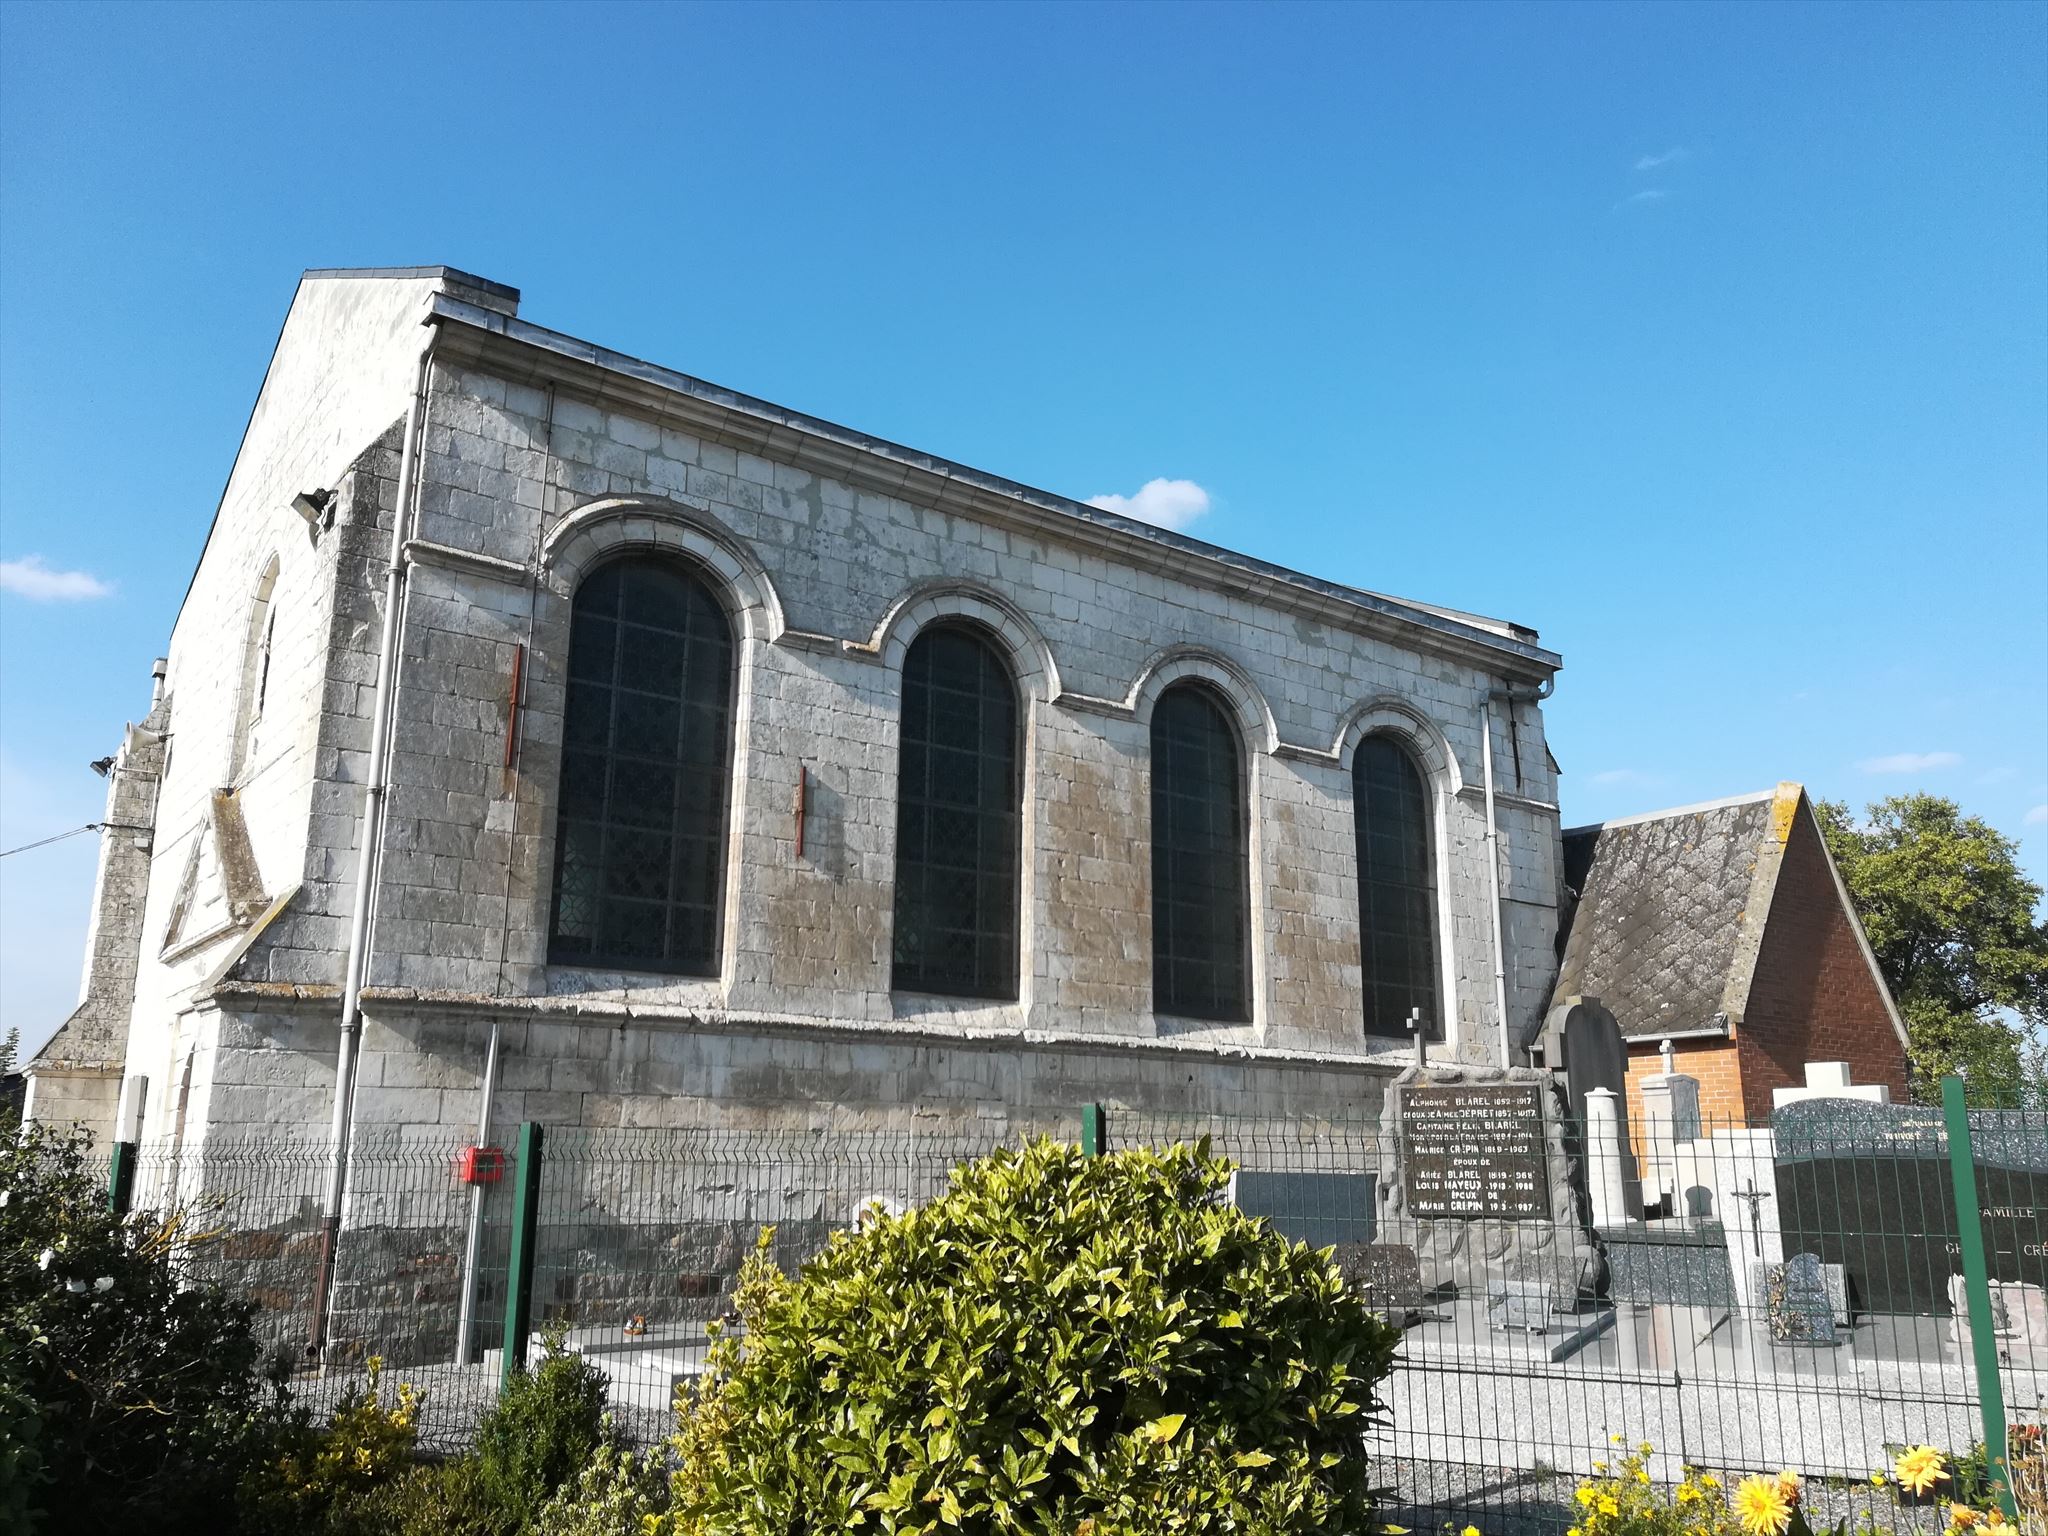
1201,938
1396,889
646,750
959,819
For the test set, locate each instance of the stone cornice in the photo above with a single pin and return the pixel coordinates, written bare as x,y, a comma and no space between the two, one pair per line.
612,1012
525,353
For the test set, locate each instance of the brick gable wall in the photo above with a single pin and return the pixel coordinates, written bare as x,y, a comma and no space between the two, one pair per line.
1814,997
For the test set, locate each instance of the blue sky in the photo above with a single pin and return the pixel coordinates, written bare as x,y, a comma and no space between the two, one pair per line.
1711,341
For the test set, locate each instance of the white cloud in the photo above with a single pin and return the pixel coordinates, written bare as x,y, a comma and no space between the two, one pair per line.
1624,776
1165,503
1647,195
1652,162
1910,762
2037,817
29,577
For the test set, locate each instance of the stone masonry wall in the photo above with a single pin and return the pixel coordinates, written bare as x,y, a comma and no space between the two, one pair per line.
827,586
338,378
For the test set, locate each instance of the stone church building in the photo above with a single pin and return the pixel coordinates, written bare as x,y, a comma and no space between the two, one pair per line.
726,766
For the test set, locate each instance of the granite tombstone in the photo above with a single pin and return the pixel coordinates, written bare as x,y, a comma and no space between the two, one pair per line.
1868,1186
1796,1302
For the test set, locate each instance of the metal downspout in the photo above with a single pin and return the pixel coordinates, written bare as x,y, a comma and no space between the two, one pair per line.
472,1247
1500,956
369,840
1510,697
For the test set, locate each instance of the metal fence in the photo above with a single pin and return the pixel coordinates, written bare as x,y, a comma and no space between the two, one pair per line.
1817,1292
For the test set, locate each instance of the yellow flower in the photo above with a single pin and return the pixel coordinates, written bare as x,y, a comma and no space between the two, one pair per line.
1687,1493
1585,1495
1619,1439
1642,1477
1878,1479
1763,1507
1646,1448
1921,1468
1710,1481
1470,1530
1608,1506
1961,1517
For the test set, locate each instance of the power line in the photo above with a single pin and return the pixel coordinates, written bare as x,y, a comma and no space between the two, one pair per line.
90,826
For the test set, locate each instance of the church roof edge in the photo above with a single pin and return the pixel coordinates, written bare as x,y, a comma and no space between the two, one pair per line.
1514,641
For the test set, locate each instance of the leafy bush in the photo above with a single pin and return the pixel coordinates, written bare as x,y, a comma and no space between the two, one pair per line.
445,1498
134,1388
616,1494
317,1475
1058,1344
548,1423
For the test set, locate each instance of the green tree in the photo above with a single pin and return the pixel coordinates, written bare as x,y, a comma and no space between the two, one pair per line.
1956,928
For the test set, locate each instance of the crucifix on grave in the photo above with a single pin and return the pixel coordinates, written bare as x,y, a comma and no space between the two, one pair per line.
1420,1030
1754,1199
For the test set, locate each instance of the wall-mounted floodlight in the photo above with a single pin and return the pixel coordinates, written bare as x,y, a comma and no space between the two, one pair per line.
316,507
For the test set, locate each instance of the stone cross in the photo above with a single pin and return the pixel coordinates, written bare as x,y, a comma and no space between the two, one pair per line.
1670,1055
1419,1030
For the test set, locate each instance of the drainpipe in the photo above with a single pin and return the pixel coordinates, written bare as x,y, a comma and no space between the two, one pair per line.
370,840
1509,696
472,1248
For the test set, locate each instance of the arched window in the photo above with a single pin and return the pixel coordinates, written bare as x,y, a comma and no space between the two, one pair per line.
1396,888
646,749
1201,938
254,689
959,818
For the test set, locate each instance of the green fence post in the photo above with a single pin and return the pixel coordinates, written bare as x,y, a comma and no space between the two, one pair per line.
519,1272
1092,1137
121,1178
1977,1283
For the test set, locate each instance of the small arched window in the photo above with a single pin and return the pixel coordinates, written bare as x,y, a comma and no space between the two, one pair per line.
1201,930
646,753
254,688
959,818
1396,889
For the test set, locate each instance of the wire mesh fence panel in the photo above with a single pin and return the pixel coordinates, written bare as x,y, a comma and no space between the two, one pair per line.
249,1210
2009,1149
1739,1296
642,1234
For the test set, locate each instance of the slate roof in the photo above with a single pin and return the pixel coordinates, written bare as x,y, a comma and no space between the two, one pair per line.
1658,932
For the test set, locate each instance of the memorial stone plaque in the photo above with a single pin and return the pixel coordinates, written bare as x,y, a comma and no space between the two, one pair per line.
1797,1303
1389,1275
1474,1150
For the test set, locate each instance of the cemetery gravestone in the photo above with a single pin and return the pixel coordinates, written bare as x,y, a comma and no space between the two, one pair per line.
1797,1304
1595,1056
1389,1275
1477,1180
1475,1150
1868,1186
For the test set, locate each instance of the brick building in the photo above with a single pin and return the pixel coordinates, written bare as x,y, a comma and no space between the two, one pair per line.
729,766
1726,929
